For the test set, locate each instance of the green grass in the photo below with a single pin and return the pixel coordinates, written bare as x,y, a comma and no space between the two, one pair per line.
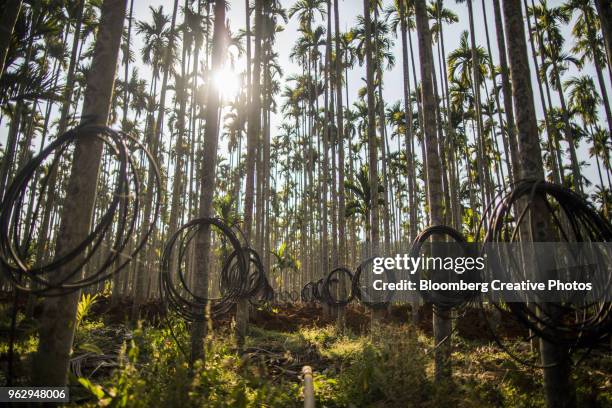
393,368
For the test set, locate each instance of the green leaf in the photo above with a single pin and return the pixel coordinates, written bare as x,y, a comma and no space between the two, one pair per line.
95,389
92,348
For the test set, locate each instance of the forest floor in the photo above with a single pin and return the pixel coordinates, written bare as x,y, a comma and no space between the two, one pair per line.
115,364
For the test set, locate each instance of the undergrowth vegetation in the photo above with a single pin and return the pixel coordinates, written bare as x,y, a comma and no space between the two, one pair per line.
147,366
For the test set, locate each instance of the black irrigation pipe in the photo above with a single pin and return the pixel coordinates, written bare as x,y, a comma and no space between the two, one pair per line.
177,294
335,278
442,301
242,274
306,294
122,213
285,296
63,275
363,296
575,325
255,285
313,291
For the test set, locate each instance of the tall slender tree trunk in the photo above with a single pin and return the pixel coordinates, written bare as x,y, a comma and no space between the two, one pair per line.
16,119
62,126
506,90
342,248
598,68
441,321
63,123
481,143
180,148
412,210
372,143
372,139
193,128
333,139
553,140
340,259
384,210
497,103
253,132
324,134
126,72
558,388
577,182
209,167
56,331
142,277
576,177
266,194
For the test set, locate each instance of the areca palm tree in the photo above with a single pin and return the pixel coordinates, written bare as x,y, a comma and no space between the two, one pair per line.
381,46
56,332
253,133
557,384
506,90
341,136
371,123
361,198
547,20
604,10
275,16
208,171
160,52
461,72
583,98
285,263
402,14
307,10
63,120
556,167
590,45
307,51
441,323
461,61
156,40
440,15
476,86
583,101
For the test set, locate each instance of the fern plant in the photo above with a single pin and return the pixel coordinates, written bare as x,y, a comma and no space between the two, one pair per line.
84,307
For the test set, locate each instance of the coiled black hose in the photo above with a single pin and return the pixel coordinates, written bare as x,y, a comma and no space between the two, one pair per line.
332,284
307,293
313,291
285,296
317,292
233,280
576,324
242,274
363,296
444,301
175,290
255,287
114,226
